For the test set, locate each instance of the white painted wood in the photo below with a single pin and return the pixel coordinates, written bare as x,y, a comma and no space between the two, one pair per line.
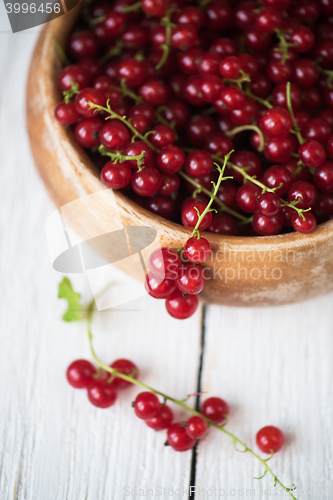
274,367
54,444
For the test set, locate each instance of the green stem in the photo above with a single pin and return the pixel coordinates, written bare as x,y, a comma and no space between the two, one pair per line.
213,194
242,128
200,188
264,102
291,111
126,92
283,46
178,402
68,94
132,8
117,157
114,52
123,119
165,21
60,51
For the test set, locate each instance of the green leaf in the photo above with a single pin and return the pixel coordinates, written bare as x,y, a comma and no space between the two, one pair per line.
74,308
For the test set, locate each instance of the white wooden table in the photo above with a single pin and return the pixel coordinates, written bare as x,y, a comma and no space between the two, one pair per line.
274,366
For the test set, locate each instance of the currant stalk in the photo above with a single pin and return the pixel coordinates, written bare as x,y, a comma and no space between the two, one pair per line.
117,157
179,402
283,45
166,21
242,128
291,111
68,94
126,92
264,102
124,120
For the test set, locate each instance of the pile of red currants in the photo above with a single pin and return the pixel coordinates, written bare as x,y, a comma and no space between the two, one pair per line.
160,92
181,436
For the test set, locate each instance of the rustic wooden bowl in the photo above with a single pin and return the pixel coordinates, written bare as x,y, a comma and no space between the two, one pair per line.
244,271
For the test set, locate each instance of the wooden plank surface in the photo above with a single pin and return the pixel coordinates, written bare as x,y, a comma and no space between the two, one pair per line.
272,365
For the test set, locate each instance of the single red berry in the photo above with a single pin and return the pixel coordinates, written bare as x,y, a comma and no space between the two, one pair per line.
75,73
243,115
303,225
191,279
161,205
199,128
269,204
135,37
180,307
279,96
192,91
215,409
209,64
183,36
135,149
83,99
146,182
248,161
140,123
145,109
154,92
190,216
101,393
276,123
311,153
304,193
198,163
176,112
87,132
164,263
162,420
147,405
196,427
303,39
170,184
114,135
230,67
270,439
126,367
218,143
163,136
323,177
224,46
223,224
132,71
66,114
178,438
197,250
211,87
218,15
170,159
82,44
247,196
278,71
278,177
316,128
80,373
116,175
154,7
232,97
267,226
280,150
227,194
159,288
268,20
305,73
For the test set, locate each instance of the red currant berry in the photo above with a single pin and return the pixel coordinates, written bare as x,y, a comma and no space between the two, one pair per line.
191,15
176,112
83,99
269,204
76,73
311,153
132,71
247,196
218,15
146,182
305,73
197,250
196,427
126,367
161,205
248,160
211,87
116,175
268,20
178,438
215,409
147,405
101,393
279,72
114,135
80,373
243,115
224,46
145,109
279,96
159,288
180,307
317,129
323,177
198,163
135,149
170,159
183,36
303,39
270,439
280,150
267,226
163,136
304,193
278,176
82,44
87,132
170,184
66,114
190,216
199,128
163,419
154,7
192,91
164,263
223,224
190,279
154,92
276,123
230,67
232,97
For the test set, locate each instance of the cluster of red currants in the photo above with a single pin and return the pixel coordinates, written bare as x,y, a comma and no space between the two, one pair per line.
181,436
161,90
102,388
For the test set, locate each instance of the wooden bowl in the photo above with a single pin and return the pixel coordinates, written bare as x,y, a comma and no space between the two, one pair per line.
243,271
